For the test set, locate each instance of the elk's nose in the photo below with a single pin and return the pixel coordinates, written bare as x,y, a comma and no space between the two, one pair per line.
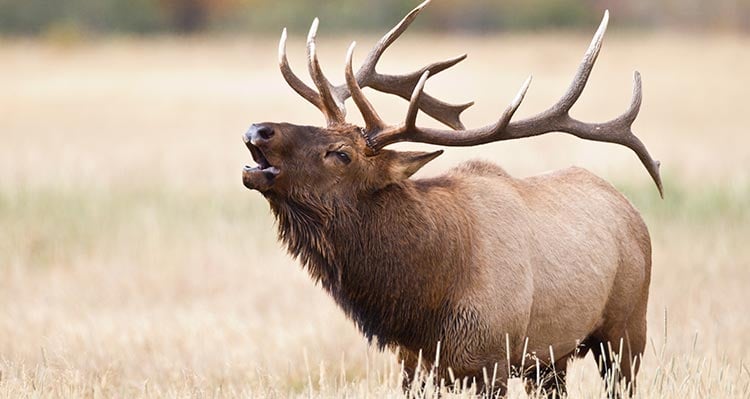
258,133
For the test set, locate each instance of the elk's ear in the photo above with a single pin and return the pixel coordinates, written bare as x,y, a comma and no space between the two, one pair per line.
407,163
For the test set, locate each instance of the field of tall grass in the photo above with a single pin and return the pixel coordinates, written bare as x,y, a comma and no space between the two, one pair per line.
133,263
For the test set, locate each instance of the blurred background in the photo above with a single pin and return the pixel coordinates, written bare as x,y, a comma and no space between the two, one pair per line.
133,263
93,17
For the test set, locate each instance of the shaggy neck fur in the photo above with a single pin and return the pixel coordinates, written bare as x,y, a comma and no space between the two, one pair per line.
385,259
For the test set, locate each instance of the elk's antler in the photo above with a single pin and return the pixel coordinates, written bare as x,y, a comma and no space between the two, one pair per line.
330,99
555,119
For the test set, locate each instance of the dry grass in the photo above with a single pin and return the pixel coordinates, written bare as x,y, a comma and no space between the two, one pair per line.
134,264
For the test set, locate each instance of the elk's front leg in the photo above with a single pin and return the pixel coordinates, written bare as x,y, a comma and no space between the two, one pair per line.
409,362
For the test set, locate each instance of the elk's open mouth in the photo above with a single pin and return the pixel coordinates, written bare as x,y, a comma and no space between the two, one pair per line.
261,176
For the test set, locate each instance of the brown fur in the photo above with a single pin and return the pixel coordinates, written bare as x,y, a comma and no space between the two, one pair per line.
464,259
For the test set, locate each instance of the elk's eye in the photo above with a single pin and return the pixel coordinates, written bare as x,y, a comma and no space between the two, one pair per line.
342,156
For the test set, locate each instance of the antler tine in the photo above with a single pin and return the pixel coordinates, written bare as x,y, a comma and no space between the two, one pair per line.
554,119
411,113
298,85
636,100
513,106
372,119
584,70
334,110
377,51
627,119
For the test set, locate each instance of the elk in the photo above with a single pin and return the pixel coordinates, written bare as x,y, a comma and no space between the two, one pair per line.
482,266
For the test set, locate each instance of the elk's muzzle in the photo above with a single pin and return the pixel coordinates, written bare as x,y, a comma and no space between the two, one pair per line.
260,177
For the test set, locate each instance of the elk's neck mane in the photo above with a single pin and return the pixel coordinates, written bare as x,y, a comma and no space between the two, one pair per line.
387,260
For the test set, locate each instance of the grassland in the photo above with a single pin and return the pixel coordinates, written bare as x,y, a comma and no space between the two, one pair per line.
134,264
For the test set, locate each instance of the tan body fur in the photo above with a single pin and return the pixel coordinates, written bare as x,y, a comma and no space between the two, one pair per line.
560,259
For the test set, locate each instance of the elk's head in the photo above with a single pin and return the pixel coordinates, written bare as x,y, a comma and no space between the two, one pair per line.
342,159
297,160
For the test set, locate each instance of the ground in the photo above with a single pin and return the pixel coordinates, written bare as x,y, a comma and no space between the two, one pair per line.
133,263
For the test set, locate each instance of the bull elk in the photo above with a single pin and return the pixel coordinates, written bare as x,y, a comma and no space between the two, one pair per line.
482,266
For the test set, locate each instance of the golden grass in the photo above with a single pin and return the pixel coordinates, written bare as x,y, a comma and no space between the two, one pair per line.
134,264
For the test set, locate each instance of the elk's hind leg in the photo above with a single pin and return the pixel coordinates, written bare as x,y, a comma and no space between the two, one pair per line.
618,354
548,381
